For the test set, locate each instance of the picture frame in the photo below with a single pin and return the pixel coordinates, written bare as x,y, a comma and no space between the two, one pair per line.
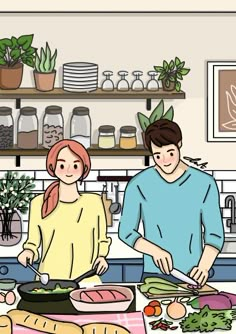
221,101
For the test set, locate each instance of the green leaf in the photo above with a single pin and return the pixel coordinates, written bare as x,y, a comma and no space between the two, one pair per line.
171,65
42,61
37,62
167,82
169,114
162,76
178,86
181,65
14,42
157,112
184,71
143,121
4,43
30,51
2,61
172,78
158,68
53,61
179,76
177,61
15,54
25,41
165,65
29,61
47,63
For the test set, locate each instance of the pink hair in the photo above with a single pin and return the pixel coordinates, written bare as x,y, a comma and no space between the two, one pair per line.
51,195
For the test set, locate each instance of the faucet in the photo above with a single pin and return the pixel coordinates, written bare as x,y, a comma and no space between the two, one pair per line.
230,222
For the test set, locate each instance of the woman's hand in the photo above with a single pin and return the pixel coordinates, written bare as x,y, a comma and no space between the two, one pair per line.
163,260
101,264
199,274
27,256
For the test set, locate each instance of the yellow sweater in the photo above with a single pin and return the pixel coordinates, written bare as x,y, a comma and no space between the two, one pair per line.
72,236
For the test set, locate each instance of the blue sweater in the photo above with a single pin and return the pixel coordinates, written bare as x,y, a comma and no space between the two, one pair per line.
173,215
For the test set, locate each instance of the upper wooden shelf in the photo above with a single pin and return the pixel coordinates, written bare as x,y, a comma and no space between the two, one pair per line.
59,93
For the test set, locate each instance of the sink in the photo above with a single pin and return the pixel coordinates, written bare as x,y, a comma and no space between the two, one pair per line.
230,243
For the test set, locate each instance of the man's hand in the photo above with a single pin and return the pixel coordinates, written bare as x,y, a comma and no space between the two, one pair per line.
199,274
163,260
101,264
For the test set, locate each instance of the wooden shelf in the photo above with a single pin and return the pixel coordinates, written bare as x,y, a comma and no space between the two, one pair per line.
59,93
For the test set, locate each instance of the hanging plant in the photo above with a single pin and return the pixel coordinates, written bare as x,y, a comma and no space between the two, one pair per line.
15,195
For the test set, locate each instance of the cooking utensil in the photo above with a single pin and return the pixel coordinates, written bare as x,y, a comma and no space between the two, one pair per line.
115,208
25,289
205,290
44,278
107,204
182,277
7,284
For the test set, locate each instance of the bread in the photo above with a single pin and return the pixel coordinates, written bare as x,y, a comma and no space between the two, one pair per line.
43,324
5,325
103,328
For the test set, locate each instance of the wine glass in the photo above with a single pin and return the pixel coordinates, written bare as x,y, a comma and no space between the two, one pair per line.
123,83
137,83
152,83
108,83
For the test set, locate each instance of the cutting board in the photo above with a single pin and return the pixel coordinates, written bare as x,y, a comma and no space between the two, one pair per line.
205,290
107,203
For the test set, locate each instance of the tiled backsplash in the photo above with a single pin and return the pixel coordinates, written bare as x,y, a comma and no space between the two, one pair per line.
226,181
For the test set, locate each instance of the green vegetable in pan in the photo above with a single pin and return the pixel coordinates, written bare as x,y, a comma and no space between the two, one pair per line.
57,289
208,320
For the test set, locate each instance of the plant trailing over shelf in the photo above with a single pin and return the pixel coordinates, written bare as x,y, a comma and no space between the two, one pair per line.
157,113
45,73
15,195
14,53
171,73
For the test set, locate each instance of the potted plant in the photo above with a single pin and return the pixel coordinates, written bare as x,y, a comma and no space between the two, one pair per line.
171,73
157,113
45,73
15,195
14,53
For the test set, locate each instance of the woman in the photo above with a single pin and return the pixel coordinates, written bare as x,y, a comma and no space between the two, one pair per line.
70,226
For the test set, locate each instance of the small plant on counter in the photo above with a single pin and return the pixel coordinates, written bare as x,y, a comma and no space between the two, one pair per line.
15,196
45,72
15,52
171,73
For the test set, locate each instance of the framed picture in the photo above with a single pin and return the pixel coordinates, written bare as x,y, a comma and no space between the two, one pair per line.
221,101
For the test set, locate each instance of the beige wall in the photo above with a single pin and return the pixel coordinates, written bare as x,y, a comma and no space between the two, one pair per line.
134,42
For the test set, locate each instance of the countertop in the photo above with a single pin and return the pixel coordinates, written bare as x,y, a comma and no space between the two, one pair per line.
142,301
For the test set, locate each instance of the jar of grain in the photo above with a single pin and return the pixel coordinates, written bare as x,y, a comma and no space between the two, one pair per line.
27,136
53,126
128,138
80,126
106,137
6,128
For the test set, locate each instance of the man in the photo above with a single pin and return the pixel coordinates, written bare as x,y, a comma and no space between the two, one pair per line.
175,202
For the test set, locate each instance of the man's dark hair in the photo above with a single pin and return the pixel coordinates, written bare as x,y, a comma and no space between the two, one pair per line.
162,132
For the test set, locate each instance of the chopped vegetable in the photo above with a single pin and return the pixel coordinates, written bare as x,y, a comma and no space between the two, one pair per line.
166,301
184,299
57,289
162,324
176,310
160,285
193,287
208,320
214,302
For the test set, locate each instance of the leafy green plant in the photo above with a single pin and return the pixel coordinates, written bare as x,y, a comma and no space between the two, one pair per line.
157,113
45,63
172,72
15,194
17,50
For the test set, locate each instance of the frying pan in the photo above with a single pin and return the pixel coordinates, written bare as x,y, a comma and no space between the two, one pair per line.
25,289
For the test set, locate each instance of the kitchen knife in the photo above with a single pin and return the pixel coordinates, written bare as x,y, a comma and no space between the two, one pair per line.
182,277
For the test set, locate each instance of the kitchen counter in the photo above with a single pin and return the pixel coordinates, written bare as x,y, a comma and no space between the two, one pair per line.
141,302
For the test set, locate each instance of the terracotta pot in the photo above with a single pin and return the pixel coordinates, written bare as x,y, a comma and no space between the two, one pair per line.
170,88
44,81
11,77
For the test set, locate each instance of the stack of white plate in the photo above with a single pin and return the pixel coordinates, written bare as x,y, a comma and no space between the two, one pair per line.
80,77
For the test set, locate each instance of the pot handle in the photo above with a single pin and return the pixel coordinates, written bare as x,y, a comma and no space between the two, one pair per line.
88,274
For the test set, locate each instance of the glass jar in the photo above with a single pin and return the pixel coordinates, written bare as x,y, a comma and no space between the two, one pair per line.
106,137
6,128
53,126
128,138
80,126
27,136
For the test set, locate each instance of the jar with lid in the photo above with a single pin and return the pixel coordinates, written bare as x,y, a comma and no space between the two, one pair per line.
6,128
106,137
27,136
53,126
80,126
128,139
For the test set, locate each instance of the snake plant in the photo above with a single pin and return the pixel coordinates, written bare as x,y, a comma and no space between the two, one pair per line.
45,62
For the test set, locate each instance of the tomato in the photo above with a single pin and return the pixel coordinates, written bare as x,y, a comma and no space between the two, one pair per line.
154,303
149,310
